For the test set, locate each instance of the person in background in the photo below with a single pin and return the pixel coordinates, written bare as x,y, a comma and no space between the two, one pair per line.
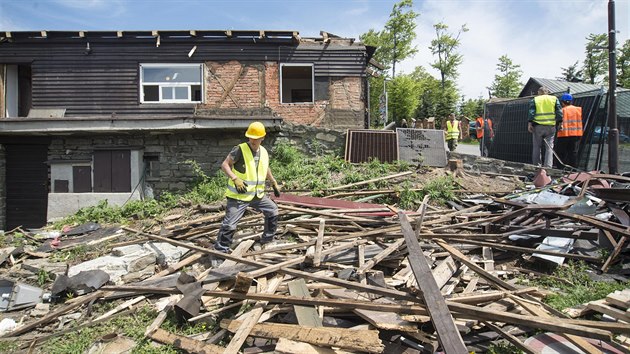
453,131
545,114
247,167
413,123
403,123
485,134
570,134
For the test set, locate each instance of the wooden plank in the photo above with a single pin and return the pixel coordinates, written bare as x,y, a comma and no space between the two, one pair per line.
287,346
484,274
317,259
382,255
488,258
590,329
444,271
306,315
512,339
620,298
379,319
577,340
250,319
447,332
362,340
181,342
603,307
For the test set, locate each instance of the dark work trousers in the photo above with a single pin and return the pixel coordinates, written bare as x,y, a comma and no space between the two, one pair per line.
484,146
542,134
567,150
233,213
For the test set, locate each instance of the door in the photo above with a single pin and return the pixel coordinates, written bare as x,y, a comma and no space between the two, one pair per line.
27,185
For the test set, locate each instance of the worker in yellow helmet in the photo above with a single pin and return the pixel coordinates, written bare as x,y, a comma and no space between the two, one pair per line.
247,167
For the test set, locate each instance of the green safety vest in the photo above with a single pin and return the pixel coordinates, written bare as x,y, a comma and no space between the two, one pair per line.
545,110
452,130
253,177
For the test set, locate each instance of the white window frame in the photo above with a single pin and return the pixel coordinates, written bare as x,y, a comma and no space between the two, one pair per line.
312,82
165,84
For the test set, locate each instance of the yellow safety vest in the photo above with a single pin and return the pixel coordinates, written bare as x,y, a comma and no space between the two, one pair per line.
253,177
452,130
545,109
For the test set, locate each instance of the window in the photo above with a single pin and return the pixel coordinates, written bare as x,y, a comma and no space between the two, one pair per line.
171,83
296,83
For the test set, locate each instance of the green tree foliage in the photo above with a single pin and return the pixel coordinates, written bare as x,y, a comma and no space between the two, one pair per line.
395,42
428,93
596,62
444,46
472,108
571,73
507,83
623,65
403,97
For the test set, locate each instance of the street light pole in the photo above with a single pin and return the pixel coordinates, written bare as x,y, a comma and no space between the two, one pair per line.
613,132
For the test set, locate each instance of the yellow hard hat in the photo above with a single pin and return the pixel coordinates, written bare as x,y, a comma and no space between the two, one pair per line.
255,130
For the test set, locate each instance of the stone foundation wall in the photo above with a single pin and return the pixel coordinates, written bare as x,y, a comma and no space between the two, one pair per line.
174,150
478,164
3,189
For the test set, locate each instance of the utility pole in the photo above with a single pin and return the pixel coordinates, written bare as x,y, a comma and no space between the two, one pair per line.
613,132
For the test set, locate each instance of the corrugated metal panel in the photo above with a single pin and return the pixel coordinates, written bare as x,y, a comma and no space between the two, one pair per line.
366,145
422,146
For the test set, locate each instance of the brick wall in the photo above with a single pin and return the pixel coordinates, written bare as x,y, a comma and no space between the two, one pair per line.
236,85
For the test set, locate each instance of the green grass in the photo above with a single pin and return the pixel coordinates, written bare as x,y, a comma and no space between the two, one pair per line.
580,287
132,326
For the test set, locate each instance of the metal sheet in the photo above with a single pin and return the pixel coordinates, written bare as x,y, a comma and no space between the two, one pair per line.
422,146
556,244
364,145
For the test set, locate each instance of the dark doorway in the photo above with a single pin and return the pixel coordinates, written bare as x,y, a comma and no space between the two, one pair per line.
27,185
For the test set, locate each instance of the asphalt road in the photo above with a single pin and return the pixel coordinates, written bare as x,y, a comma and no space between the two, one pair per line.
467,149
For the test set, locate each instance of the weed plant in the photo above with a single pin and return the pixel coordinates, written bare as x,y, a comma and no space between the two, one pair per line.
579,288
291,168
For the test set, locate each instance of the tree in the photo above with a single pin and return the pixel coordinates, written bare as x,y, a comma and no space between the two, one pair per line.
403,97
393,45
445,47
596,62
571,73
472,108
507,83
623,65
394,42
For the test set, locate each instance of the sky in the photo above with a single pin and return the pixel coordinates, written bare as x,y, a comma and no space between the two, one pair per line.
542,36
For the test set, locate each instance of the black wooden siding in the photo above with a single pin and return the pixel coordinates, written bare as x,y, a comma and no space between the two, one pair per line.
106,81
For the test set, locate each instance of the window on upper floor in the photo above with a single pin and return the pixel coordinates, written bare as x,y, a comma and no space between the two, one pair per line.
296,83
171,83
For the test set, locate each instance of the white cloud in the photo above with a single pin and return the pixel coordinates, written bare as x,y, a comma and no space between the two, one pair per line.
541,36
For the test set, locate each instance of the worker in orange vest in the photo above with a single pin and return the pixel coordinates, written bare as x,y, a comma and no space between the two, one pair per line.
569,137
484,139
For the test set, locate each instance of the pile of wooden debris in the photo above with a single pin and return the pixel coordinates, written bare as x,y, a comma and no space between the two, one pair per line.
355,277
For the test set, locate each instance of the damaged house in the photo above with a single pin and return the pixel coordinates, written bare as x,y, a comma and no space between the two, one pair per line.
116,115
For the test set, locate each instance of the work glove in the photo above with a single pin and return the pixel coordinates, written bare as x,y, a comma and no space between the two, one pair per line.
240,185
276,189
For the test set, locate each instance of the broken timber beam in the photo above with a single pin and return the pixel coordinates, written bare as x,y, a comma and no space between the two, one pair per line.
447,332
361,340
188,344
